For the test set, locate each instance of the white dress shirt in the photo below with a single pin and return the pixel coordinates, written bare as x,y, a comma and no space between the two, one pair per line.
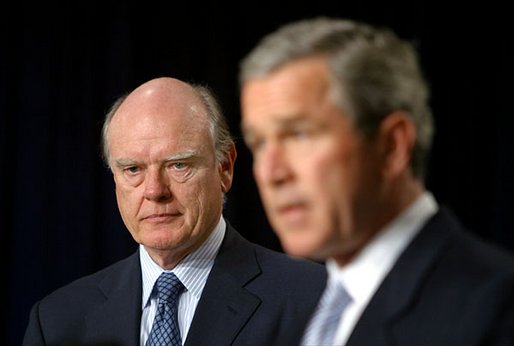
192,271
363,275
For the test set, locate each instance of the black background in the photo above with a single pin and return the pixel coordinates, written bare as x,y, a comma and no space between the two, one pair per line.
61,66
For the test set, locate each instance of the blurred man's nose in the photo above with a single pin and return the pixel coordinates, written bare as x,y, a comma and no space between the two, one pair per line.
272,167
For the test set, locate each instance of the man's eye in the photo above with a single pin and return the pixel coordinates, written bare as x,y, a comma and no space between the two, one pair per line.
298,133
179,165
132,170
255,144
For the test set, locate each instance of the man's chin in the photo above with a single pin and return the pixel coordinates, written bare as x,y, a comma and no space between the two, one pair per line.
159,240
298,244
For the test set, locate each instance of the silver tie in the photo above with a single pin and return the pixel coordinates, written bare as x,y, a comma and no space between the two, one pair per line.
325,320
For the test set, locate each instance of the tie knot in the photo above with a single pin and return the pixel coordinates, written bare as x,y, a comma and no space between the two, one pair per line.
168,287
323,326
336,297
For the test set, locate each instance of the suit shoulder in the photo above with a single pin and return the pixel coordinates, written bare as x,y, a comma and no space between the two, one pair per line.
287,265
86,286
464,249
271,262
482,257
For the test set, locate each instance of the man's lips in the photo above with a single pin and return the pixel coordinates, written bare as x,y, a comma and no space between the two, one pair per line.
291,208
292,214
159,216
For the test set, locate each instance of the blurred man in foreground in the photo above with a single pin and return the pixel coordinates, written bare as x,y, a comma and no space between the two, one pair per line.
336,115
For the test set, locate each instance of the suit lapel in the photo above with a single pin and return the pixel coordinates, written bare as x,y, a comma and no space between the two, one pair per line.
399,289
119,318
225,305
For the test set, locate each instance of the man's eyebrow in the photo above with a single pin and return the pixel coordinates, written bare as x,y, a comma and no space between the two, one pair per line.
182,155
287,120
293,119
125,162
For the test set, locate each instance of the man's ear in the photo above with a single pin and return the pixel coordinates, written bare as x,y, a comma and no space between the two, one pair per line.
397,135
227,168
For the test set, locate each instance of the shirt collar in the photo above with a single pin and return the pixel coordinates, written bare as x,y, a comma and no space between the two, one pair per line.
363,275
192,271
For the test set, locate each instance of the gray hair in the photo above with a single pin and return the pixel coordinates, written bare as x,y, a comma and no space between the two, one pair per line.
373,73
218,126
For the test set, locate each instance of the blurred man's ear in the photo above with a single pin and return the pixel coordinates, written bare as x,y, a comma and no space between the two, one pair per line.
397,135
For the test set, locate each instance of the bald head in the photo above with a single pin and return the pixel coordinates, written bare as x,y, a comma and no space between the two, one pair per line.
160,94
154,102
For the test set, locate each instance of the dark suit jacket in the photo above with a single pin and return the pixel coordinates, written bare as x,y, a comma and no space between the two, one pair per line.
447,288
253,296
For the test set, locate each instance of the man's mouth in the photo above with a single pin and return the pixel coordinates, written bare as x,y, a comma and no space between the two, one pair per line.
160,217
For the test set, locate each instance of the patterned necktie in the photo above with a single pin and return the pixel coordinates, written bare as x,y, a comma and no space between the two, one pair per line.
325,321
165,330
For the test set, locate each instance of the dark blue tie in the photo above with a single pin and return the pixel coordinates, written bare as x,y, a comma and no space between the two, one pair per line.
165,330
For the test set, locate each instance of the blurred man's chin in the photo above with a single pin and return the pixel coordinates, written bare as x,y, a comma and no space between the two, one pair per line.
299,245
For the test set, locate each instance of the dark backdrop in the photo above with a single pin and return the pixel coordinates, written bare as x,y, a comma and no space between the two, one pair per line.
61,67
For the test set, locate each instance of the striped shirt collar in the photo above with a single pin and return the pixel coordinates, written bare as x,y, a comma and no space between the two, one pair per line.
192,271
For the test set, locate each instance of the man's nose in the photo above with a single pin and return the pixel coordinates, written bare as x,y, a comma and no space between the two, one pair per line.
272,167
157,185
